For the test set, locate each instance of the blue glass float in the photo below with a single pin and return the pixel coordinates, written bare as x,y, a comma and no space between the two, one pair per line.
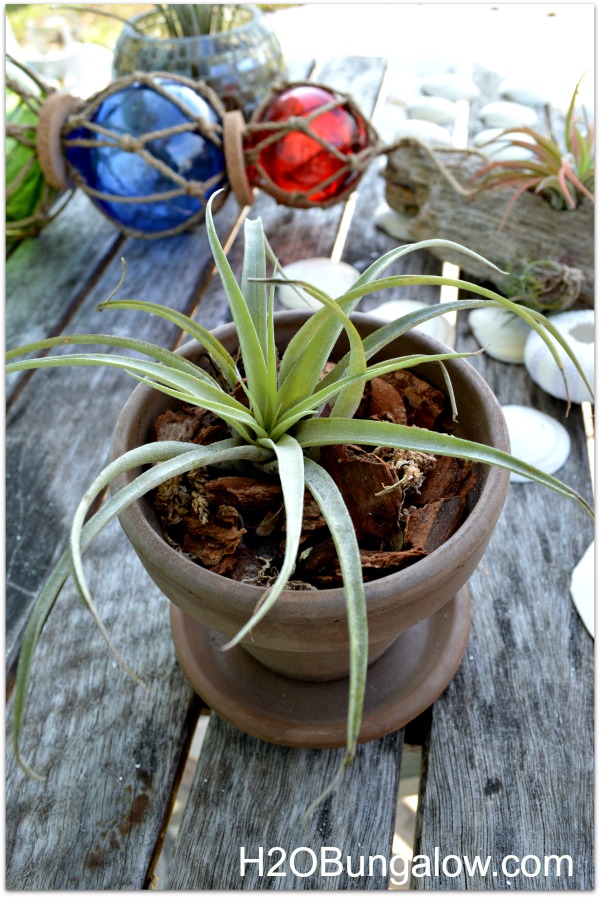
109,161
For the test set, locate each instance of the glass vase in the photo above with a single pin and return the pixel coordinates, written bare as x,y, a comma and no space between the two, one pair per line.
239,64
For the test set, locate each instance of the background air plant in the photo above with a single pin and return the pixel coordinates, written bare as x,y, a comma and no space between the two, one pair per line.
561,172
544,285
181,19
279,427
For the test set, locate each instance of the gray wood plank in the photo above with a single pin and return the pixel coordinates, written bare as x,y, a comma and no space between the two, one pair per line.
509,766
250,796
47,274
110,750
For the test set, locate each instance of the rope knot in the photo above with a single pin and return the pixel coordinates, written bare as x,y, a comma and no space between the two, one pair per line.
129,143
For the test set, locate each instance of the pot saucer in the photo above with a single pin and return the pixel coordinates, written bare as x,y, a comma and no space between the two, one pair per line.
400,685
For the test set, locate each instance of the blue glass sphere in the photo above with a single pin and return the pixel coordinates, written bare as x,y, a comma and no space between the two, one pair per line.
139,110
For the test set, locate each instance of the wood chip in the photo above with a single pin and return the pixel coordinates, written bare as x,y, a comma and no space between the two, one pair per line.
248,494
425,404
179,426
430,526
214,540
445,480
385,400
359,475
321,566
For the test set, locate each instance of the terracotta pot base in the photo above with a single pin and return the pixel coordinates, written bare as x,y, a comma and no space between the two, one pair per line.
400,685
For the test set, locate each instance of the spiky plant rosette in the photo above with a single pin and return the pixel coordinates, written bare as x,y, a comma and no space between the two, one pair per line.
561,172
180,19
280,427
30,201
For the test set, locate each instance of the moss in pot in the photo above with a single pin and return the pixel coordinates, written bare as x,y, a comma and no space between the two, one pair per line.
277,426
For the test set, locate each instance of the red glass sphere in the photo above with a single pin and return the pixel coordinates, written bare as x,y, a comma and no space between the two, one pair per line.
295,164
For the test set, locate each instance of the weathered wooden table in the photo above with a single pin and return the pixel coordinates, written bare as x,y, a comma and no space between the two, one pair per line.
507,749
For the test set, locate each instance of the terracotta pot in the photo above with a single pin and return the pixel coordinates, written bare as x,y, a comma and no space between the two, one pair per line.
304,636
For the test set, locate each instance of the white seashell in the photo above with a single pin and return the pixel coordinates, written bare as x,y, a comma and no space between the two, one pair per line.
536,438
529,94
486,136
504,114
582,589
496,146
500,333
577,327
334,278
392,222
503,152
435,109
437,327
427,131
450,86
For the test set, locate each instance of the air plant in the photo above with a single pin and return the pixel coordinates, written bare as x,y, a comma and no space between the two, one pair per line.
189,19
562,173
278,426
544,285
180,19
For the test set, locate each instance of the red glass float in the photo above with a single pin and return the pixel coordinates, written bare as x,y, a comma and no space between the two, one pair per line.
307,146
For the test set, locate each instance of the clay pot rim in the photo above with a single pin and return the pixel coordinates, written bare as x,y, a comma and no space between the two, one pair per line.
379,592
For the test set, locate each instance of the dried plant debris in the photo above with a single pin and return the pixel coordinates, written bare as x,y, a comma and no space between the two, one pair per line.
403,504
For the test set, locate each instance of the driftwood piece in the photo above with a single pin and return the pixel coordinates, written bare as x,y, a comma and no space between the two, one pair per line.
533,230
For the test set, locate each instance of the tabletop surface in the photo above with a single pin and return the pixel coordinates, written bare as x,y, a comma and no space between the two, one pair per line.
507,749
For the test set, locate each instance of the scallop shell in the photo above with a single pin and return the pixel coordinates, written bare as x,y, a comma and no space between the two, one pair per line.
334,278
501,334
577,328
536,438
